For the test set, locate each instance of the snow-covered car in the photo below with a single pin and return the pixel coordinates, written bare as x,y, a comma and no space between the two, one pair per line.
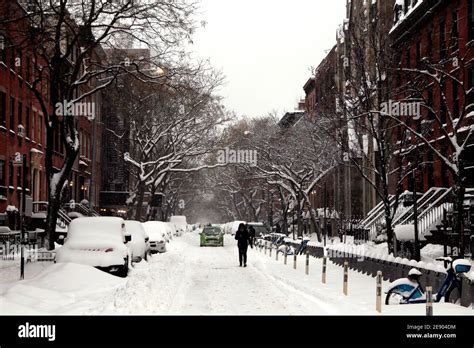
234,226
156,231
180,223
99,242
139,246
212,236
170,230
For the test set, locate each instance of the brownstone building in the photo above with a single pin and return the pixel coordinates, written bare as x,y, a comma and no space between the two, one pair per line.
438,33
22,123
21,119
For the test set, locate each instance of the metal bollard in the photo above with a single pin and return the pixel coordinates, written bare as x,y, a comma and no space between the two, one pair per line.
378,299
286,257
307,262
295,256
276,253
429,301
271,247
325,260
346,277
265,248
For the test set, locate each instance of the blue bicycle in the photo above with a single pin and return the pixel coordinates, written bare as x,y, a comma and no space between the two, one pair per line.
409,290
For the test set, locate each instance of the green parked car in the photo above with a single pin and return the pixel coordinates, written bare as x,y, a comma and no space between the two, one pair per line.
212,236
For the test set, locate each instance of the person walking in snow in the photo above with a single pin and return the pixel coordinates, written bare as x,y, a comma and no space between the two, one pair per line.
252,236
243,240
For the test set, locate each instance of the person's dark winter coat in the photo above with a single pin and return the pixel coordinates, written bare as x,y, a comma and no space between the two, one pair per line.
278,229
243,240
252,236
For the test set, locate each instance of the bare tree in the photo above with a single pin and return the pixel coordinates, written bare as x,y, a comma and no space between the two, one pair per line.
64,38
447,128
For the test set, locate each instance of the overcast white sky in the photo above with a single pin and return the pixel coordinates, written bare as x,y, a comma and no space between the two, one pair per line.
265,48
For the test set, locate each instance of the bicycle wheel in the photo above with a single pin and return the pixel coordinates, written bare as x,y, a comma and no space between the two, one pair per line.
453,295
393,298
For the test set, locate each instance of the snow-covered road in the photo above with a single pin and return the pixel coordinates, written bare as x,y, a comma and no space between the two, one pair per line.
192,280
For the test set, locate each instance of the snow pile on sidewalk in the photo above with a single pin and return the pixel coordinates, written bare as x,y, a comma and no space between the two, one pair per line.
61,288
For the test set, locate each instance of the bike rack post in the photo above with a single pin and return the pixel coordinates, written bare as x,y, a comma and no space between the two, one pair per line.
346,277
307,262
325,260
378,299
294,259
429,301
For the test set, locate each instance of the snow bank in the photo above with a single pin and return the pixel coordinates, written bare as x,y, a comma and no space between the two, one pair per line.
406,233
57,290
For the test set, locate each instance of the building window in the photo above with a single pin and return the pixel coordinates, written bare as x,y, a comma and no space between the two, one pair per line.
57,140
10,174
20,113
12,113
431,178
33,126
454,29
27,122
3,50
28,69
445,168
2,173
39,128
471,19
12,59
442,112
430,100
418,52
3,109
442,38
470,96
19,182
408,57
429,46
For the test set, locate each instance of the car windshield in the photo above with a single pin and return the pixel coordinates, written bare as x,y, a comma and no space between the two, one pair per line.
212,230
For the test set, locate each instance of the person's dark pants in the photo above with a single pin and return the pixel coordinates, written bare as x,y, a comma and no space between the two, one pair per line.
243,254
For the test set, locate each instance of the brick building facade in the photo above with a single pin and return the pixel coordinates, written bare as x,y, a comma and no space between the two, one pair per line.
21,119
437,33
22,124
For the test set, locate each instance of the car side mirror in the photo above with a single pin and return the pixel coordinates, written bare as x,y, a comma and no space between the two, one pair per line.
128,238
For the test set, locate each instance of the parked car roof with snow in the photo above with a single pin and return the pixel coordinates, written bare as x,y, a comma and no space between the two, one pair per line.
98,242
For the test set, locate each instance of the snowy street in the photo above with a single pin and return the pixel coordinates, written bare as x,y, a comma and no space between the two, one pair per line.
192,280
